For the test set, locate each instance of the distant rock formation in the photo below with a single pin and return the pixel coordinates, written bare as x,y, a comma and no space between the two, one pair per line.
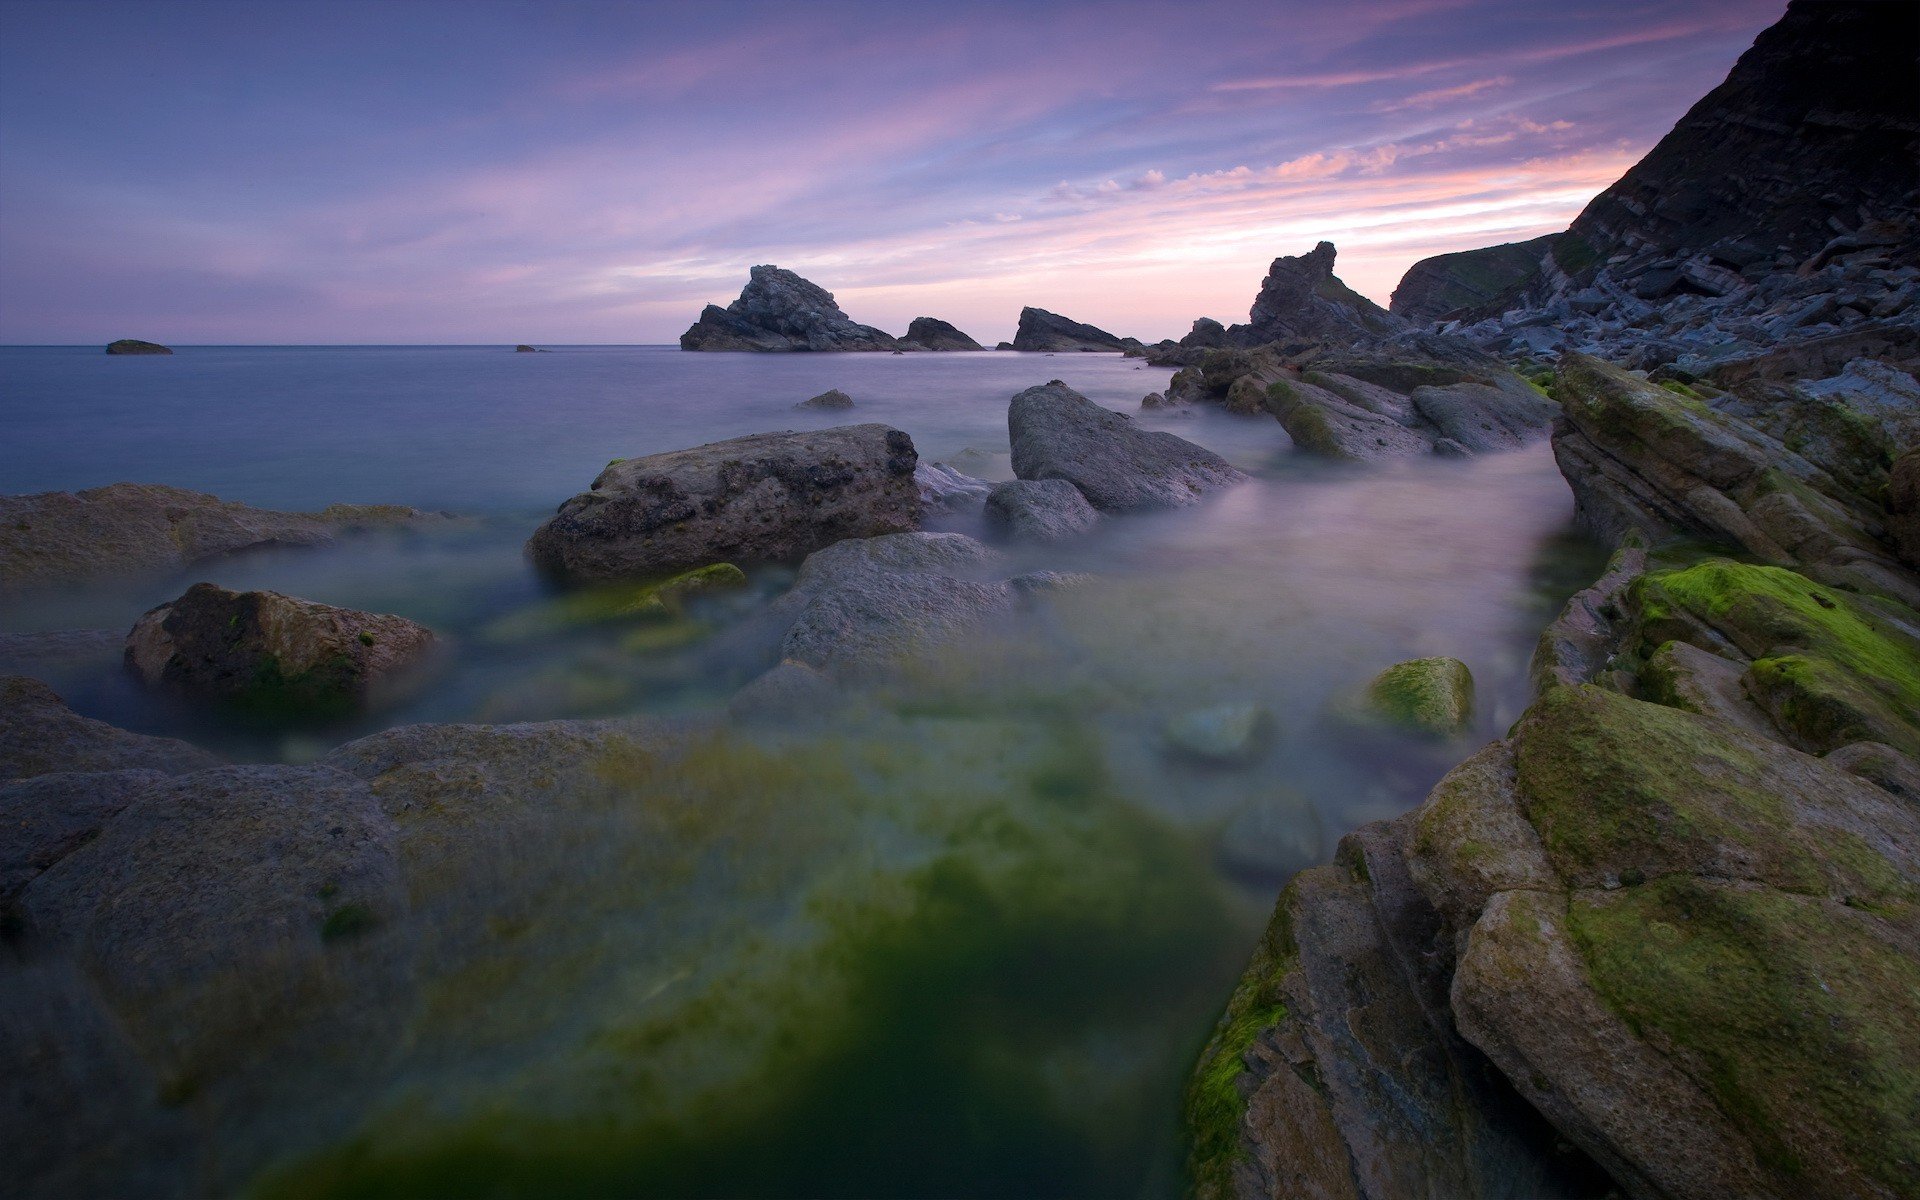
1042,330
832,398
931,333
1207,334
1446,283
1781,208
136,346
1302,300
780,311
527,350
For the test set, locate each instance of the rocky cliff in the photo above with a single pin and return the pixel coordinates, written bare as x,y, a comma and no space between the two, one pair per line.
1042,330
1301,300
1783,206
1437,287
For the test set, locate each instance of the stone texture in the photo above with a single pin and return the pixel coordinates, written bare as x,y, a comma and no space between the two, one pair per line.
143,528
831,399
766,497
930,333
1040,510
1057,433
274,654
39,734
780,311
1303,301
1434,288
1040,330
136,346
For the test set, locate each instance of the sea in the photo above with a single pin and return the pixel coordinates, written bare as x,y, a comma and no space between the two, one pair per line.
964,938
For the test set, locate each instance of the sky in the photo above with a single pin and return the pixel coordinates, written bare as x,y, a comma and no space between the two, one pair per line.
580,171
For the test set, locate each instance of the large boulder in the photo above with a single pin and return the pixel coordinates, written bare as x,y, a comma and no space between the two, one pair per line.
136,346
778,310
1040,510
1059,434
765,497
132,528
1431,696
39,735
1042,330
931,333
274,655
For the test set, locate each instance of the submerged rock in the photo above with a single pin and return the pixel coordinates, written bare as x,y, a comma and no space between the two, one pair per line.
131,528
778,310
39,735
929,333
136,346
274,655
765,497
1233,734
945,490
1059,434
1040,510
833,398
1044,331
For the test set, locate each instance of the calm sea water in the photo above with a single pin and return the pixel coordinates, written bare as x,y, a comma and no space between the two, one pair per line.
991,978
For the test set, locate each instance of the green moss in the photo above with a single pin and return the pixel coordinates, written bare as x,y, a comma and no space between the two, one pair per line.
366,639
1403,377
1215,1106
1615,784
1573,253
1679,389
349,920
1829,666
613,604
1432,696
1803,1018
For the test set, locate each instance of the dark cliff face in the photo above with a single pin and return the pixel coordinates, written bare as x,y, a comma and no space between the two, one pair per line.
1434,287
1816,129
1042,330
779,310
931,333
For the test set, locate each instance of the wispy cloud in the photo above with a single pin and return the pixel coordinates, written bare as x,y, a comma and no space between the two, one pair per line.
1438,96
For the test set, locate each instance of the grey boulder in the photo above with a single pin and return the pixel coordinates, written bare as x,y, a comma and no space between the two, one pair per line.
1059,434
765,497
1040,510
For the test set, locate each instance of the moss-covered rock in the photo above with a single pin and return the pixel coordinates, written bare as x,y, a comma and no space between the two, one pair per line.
656,600
1431,696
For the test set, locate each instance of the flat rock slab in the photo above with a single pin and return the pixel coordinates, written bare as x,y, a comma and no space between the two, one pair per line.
1059,434
39,734
762,498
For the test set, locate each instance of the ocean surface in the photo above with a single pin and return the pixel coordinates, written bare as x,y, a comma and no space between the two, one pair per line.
981,961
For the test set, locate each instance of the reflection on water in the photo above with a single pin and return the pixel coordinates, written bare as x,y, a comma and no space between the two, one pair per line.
964,938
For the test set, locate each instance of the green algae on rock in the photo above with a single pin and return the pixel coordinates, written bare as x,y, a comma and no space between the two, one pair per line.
615,604
1431,696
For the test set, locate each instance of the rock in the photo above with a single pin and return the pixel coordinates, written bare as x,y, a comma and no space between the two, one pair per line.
851,562
945,490
1302,300
927,333
39,735
1436,288
1486,417
241,923
1153,401
832,399
136,346
274,655
1329,1074
1432,696
1641,458
1233,734
623,603
1057,433
777,311
789,691
1880,765
1903,507
1273,835
47,817
132,528
1206,333
1579,643
1326,424
1040,510
1042,330
890,617
527,350
766,497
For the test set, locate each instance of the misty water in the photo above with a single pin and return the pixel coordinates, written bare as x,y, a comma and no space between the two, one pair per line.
964,938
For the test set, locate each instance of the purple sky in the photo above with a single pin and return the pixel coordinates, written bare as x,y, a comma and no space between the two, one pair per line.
417,171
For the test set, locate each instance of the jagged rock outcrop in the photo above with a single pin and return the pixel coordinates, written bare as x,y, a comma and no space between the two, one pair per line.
1059,434
274,655
1302,301
137,528
1435,288
1042,330
1781,207
764,497
930,333
780,311
136,346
